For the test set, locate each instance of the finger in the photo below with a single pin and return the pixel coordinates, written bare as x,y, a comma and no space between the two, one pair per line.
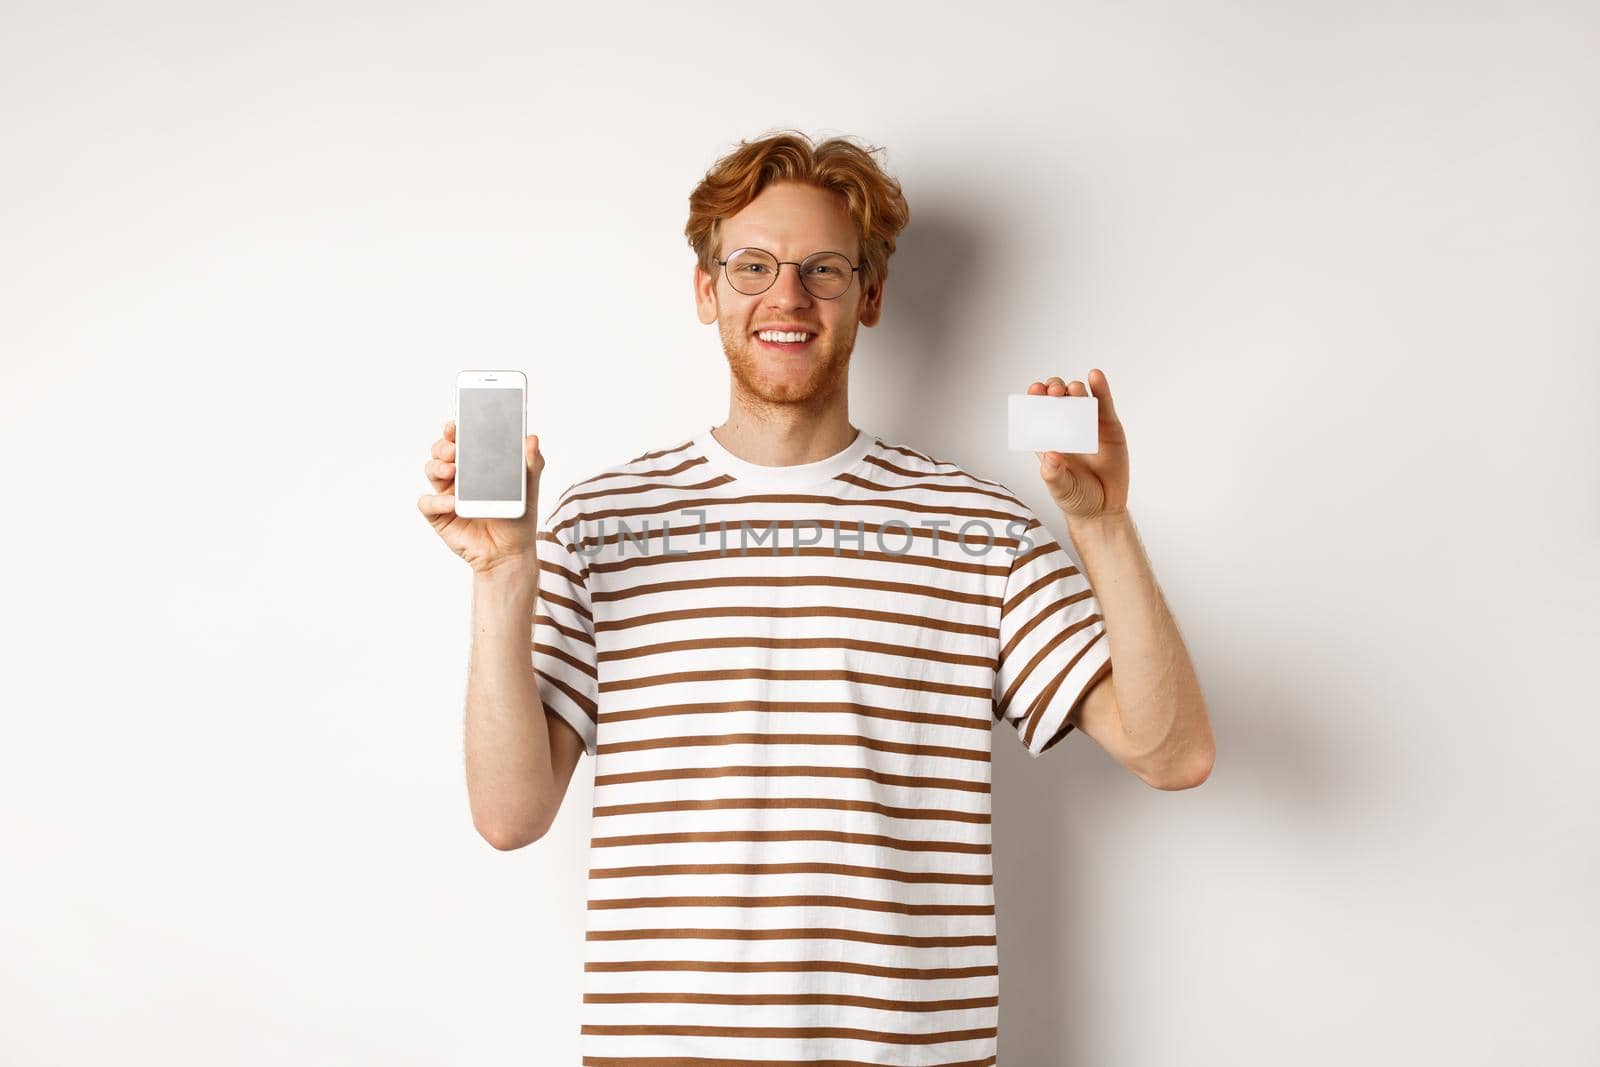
440,473
1077,388
1063,473
1056,387
1102,389
450,429
1036,389
436,504
444,449
1052,465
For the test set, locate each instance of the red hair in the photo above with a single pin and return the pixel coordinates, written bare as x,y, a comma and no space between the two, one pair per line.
872,198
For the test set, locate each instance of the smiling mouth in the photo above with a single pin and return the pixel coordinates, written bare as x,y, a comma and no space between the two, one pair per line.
786,346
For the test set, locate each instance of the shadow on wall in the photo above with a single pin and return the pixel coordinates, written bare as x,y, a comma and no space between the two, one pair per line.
921,359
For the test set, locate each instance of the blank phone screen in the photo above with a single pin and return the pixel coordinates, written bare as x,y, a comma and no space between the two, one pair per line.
489,463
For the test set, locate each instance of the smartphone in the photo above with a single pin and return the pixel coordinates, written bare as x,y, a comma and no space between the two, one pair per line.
491,425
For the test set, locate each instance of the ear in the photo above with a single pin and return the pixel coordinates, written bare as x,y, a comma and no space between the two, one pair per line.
872,305
705,295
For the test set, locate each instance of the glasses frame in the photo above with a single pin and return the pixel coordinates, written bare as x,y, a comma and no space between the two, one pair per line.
799,269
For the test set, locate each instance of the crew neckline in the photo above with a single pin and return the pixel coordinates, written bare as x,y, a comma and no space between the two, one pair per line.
788,476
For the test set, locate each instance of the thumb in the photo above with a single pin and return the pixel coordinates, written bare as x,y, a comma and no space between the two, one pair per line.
535,463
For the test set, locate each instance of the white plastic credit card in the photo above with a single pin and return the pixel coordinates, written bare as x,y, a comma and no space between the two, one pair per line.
1053,423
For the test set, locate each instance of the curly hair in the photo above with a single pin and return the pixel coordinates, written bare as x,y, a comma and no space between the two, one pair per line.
872,198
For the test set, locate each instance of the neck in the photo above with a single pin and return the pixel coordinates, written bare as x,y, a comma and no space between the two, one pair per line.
776,434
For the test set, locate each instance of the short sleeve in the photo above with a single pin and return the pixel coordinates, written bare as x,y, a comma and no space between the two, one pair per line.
563,634
1053,644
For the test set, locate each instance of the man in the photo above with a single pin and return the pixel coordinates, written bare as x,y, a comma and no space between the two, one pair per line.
786,642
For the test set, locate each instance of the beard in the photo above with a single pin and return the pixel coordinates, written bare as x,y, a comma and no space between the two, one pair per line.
774,378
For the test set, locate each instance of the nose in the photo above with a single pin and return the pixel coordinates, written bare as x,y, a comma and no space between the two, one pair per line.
786,290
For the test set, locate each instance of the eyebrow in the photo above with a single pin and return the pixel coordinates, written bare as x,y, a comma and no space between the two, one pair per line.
835,250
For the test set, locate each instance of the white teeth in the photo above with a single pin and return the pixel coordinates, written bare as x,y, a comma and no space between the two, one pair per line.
789,338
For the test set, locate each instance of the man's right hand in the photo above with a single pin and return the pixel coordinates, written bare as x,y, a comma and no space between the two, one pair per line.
484,543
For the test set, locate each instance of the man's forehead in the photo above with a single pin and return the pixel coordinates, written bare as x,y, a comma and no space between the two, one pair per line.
791,219
784,239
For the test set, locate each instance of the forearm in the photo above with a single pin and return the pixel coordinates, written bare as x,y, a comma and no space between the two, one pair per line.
510,782
1158,693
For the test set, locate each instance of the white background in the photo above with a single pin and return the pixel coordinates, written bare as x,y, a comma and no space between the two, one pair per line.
1339,262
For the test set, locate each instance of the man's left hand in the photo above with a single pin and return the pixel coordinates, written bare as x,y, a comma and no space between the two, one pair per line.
1087,486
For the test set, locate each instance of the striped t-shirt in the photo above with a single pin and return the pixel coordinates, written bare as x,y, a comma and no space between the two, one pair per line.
789,678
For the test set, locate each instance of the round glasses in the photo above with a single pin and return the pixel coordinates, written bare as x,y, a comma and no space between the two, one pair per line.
825,275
